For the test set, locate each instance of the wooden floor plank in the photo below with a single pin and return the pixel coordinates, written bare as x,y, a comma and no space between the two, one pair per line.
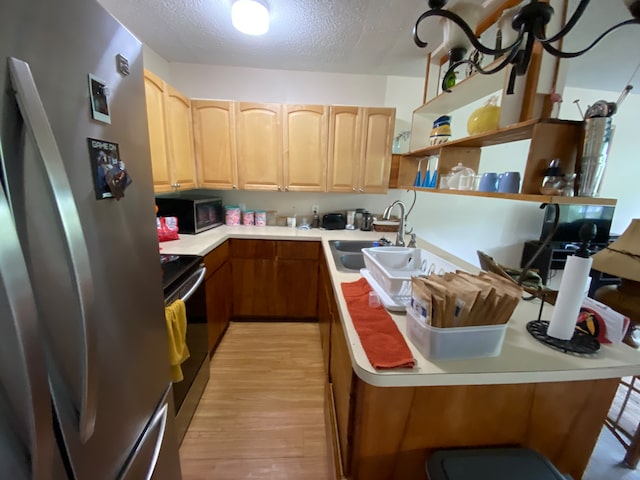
262,414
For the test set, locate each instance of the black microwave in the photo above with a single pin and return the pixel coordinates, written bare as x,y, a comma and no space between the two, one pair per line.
196,212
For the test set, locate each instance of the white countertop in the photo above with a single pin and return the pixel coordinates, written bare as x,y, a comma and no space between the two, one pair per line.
523,359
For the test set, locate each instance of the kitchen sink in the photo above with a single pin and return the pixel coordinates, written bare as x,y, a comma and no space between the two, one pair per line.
347,254
352,245
354,261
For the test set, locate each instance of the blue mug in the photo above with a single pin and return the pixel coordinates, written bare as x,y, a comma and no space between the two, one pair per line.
509,182
488,182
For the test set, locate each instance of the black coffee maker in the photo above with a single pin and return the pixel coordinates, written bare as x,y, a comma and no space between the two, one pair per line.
367,221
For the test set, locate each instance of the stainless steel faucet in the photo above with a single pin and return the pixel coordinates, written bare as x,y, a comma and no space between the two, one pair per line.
387,214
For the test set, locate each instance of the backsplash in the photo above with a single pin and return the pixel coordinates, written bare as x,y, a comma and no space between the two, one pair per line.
455,223
300,203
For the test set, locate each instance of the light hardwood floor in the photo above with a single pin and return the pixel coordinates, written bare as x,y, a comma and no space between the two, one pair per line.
261,415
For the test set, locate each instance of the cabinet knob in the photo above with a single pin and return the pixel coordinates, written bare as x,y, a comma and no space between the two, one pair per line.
286,189
279,188
175,186
234,186
362,190
354,189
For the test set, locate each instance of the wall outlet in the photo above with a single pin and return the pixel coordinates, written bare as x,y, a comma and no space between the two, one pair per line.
315,209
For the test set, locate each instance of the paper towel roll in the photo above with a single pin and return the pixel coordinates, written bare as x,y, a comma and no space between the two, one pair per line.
570,296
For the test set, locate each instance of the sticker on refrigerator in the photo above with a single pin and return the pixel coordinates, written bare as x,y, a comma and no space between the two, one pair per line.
98,93
110,176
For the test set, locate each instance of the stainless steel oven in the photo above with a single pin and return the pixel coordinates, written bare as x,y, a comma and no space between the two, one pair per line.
183,278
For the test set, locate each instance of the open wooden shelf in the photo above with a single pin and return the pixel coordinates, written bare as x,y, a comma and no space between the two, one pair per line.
523,197
512,133
465,91
550,138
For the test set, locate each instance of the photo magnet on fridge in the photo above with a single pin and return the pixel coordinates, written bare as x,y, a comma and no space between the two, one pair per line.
110,177
98,94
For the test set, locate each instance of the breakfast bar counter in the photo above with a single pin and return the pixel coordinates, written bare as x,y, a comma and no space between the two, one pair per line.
384,424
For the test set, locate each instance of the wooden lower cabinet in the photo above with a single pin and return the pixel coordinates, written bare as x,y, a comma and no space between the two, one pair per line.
275,279
390,432
344,386
254,292
326,310
397,428
218,293
218,288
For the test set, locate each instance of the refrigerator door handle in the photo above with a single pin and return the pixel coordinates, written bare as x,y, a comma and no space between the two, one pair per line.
142,461
23,376
35,117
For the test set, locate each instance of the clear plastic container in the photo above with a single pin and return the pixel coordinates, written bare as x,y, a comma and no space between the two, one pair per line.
248,217
232,215
455,343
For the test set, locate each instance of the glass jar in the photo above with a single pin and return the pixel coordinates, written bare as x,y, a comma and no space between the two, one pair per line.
553,181
568,190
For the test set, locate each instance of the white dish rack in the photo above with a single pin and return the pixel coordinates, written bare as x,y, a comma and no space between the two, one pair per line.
396,282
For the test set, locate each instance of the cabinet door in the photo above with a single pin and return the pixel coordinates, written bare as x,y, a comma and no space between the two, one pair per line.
296,288
377,138
344,392
305,148
180,139
259,141
297,279
215,144
218,290
254,277
154,88
325,311
344,149
254,288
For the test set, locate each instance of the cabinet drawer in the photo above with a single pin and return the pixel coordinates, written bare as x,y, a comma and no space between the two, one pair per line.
214,259
298,250
265,249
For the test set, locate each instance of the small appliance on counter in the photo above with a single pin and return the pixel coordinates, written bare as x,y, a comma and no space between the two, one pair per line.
334,221
195,211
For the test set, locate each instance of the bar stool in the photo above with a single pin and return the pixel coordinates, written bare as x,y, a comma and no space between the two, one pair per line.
623,419
491,464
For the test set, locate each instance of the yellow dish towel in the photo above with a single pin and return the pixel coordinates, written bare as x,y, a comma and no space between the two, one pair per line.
176,318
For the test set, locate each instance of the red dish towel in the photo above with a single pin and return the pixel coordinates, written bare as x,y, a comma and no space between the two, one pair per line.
382,341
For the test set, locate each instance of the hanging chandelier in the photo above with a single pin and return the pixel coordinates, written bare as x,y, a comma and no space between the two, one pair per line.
528,23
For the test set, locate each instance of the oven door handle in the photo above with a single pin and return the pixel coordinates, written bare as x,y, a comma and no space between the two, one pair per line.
200,274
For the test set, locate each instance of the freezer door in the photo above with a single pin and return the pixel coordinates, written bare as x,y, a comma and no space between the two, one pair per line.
144,462
26,432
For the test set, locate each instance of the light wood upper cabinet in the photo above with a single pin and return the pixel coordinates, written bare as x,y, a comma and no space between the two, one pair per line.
344,148
360,149
214,126
170,135
154,93
377,139
180,139
305,148
259,142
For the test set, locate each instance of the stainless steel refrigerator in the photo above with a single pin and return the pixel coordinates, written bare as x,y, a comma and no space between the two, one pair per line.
85,386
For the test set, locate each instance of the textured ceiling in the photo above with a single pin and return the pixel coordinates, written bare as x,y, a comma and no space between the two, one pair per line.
347,36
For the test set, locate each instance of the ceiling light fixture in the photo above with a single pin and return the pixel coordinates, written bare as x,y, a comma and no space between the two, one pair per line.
529,22
250,16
